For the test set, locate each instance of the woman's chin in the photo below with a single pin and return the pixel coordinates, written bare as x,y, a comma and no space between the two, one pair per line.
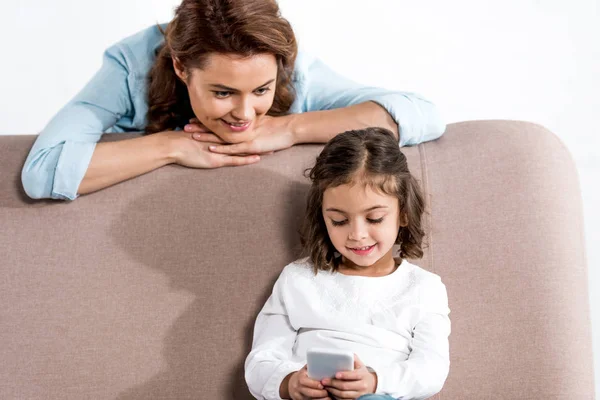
233,138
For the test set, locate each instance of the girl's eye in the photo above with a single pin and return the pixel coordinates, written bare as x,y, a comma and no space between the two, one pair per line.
338,223
222,95
262,91
375,221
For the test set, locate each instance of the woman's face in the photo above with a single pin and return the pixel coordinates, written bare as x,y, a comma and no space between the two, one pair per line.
231,93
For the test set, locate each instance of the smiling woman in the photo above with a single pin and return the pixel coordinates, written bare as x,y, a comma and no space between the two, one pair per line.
222,84
231,93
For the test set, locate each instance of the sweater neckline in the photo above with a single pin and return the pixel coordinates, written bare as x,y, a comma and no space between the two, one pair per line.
402,266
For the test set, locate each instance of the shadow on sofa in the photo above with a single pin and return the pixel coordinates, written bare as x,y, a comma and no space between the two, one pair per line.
189,247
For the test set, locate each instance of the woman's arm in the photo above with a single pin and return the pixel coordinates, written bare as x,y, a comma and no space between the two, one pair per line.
58,160
321,126
278,133
66,159
321,88
115,162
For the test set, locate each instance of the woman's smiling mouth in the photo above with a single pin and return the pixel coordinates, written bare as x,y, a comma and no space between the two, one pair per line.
236,126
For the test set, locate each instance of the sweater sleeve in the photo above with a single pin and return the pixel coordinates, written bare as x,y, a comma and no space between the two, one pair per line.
424,372
418,119
269,361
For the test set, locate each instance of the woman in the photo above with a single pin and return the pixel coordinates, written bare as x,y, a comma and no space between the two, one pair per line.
229,74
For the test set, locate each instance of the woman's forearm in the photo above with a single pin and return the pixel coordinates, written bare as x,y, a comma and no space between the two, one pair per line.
114,162
321,126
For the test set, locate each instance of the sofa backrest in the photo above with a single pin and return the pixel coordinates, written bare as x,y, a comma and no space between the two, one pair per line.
149,289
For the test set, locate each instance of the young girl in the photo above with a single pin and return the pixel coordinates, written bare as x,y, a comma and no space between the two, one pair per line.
351,292
222,84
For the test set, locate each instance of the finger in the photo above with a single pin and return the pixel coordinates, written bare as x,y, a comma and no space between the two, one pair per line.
193,128
310,383
207,137
350,375
194,121
238,148
234,161
357,363
343,395
345,385
313,393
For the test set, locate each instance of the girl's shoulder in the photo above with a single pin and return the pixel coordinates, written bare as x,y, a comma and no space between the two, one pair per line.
421,276
300,267
428,287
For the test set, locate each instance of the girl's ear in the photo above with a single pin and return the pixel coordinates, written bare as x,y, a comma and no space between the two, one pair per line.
179,70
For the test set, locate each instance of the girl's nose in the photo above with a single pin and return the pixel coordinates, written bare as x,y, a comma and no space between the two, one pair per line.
357,232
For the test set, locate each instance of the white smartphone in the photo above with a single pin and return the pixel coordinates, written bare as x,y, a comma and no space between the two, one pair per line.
325,363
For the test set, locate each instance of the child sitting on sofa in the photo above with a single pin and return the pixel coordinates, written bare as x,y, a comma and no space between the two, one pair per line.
351,292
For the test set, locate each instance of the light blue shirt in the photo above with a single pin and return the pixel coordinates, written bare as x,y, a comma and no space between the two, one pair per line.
115,101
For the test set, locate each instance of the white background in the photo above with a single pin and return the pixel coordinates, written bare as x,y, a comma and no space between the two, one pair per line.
528,60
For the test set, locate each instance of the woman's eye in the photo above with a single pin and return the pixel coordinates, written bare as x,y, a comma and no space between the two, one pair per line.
375,221
338,223
222,95
262,91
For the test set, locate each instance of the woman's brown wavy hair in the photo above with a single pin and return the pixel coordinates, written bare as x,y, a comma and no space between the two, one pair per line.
367,157
202,27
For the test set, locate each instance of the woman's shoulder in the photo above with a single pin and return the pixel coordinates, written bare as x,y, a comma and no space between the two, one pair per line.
138,51
303,65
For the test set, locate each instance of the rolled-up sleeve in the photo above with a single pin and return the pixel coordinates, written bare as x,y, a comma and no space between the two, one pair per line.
62,152
418,119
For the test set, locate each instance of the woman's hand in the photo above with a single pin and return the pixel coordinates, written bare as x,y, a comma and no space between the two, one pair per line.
351,385
272,134
193,153
301,387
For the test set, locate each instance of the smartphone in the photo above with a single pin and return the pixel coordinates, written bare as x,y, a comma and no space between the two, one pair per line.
325,363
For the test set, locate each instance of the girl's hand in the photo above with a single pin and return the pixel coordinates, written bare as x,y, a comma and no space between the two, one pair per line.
272,134
186,151
301,387
351,385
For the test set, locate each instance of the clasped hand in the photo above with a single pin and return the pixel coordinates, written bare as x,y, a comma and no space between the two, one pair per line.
271,134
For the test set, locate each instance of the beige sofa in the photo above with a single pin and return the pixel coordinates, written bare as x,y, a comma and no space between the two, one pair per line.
149,289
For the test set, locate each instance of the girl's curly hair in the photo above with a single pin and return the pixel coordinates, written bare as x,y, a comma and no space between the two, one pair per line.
370,157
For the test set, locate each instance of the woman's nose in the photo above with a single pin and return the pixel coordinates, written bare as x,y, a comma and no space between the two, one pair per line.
244,110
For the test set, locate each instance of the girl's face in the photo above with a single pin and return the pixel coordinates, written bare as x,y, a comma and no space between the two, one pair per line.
362,224
231,93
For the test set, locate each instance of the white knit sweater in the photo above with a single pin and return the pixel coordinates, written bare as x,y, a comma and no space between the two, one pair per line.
397,325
